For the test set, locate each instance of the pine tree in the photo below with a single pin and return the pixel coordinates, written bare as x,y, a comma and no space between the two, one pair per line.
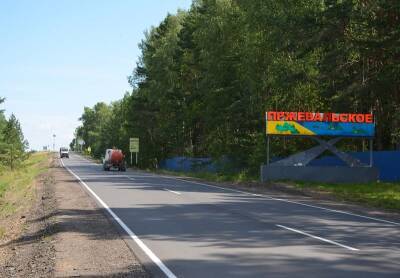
14,144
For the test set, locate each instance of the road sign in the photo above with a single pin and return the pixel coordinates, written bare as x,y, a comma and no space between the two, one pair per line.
134,145
320,124
80,141
134,148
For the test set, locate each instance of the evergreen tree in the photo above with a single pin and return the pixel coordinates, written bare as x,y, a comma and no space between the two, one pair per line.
14,145
205,77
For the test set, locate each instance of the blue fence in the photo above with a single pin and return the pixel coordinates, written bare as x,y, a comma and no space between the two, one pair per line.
388,163
185,164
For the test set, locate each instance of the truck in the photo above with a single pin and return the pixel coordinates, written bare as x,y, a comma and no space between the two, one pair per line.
114,158
64,152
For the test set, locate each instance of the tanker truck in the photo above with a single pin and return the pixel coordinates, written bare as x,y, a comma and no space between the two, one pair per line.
114,158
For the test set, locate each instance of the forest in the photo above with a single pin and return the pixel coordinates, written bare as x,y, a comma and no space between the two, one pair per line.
206,76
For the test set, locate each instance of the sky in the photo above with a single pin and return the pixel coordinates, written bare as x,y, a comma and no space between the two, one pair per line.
56,57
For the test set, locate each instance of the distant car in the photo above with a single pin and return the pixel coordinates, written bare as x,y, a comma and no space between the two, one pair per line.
64,152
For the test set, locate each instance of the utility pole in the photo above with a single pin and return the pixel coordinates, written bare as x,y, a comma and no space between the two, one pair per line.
54,142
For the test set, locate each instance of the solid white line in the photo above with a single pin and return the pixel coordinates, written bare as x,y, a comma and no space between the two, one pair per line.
319,238
103,176
175,192
138,241
289,201
282,200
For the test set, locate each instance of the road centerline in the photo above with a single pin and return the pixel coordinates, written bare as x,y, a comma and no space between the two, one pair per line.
317,237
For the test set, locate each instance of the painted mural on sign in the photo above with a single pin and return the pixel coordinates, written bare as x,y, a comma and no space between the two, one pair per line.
320,124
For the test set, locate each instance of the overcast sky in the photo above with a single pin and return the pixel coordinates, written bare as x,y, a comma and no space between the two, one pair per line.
58,56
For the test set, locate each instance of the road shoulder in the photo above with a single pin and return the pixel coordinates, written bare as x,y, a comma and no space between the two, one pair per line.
87,243
64,233
28,249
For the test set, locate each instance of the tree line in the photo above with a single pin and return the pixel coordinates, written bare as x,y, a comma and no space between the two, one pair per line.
206,76
13,145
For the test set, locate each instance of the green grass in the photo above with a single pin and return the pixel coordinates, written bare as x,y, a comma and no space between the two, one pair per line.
16,187
379,194
2,232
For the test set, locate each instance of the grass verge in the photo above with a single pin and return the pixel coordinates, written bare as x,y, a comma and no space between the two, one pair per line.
378,194
17,186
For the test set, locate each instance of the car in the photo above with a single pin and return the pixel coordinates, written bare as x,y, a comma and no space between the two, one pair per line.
64,152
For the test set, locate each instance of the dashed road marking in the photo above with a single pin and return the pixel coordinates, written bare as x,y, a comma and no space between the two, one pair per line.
319,238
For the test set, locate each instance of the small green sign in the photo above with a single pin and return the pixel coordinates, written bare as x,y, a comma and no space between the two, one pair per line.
134,145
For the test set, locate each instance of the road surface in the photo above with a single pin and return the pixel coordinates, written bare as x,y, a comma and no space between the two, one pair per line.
183,228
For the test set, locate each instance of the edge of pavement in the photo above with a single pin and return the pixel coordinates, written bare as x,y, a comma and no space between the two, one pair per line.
133,269
281,191
126,235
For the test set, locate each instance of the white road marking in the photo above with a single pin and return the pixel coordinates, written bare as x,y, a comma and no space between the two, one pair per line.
103,176
319,238
138,241
279,199
141,176
288,201
175,192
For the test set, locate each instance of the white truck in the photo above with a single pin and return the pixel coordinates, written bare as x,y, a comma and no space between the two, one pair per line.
64,152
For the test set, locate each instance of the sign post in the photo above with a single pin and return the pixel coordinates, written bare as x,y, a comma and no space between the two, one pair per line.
80,143
134,148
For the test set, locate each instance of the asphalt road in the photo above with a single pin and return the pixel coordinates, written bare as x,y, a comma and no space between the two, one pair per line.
189,229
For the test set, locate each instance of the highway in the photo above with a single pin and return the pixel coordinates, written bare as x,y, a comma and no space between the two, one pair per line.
181,228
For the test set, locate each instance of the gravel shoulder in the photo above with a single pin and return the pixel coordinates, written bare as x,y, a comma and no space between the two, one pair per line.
28,249
65,234
87,243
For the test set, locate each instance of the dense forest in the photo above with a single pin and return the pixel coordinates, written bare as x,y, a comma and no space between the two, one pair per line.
13,145
206,76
